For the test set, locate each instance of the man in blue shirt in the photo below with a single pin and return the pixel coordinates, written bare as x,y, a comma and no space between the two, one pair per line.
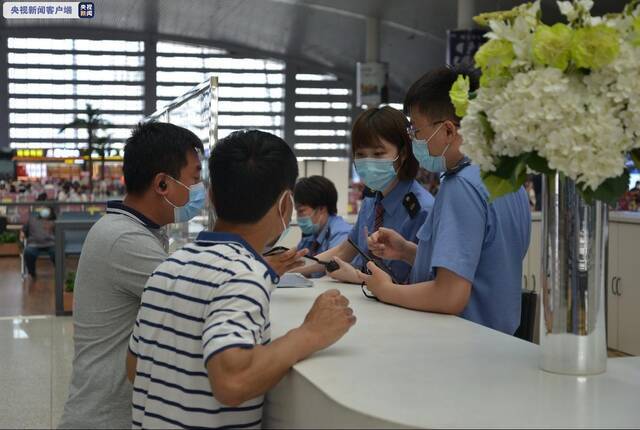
317,211
468,260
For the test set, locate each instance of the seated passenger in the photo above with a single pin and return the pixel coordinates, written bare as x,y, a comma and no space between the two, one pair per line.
316,200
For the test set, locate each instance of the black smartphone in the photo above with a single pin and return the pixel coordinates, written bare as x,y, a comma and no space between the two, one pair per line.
330,266
376,261
275,251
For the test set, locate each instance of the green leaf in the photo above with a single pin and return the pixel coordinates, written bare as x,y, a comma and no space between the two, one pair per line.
538,163
497,186
609,191
487,130
506,167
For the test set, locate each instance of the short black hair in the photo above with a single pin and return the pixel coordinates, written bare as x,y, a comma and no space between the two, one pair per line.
430,93
315,192
249,170
156,147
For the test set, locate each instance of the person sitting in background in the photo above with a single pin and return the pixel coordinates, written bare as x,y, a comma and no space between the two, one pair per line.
322,228
383,159
63,195
162,172
200,355
39,235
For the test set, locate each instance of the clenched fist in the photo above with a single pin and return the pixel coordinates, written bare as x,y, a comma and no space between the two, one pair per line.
329,319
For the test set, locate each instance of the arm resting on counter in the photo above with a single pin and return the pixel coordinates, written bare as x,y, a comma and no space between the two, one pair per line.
447,294
238,375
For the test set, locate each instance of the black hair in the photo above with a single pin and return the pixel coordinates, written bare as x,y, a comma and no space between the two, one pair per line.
249,170
315,192
430,93
156,147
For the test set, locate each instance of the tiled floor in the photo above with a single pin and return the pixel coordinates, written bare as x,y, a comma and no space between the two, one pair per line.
35,355
24,296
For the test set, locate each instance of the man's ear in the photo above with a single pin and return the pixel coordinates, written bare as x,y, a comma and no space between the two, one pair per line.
159,184
452,130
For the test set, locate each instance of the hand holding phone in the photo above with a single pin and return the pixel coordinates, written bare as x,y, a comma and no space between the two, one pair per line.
376,261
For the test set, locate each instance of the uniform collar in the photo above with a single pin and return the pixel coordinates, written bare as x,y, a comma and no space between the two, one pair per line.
392,201
325,230
218,237
464,162
118,207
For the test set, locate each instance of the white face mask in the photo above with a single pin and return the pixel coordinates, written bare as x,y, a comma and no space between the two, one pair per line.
285,225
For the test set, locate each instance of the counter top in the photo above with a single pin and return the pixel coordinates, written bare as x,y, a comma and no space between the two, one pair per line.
625,217
417,369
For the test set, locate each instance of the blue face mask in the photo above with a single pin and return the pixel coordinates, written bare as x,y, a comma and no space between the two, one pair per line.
431,163
376,173
193,207
307,225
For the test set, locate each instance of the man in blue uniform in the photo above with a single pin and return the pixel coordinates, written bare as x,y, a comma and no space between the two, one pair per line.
468,260
322,228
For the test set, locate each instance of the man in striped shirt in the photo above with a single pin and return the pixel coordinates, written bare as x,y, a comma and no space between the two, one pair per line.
201,353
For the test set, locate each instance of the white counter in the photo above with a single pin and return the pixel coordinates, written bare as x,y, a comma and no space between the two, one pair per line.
404,368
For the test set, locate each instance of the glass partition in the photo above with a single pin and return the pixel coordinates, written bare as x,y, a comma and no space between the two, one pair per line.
196,110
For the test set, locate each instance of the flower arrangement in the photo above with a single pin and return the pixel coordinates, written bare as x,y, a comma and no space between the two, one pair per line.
559,99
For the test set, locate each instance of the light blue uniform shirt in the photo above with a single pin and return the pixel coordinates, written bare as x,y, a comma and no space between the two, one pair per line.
482,242
334,232
396,218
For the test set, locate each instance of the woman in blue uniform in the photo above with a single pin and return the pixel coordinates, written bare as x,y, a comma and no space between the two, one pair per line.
385,163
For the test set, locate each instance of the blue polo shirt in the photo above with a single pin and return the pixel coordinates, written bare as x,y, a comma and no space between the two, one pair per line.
482,242
396,217
335,231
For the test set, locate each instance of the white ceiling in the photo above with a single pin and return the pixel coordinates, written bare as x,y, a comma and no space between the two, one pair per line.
326,32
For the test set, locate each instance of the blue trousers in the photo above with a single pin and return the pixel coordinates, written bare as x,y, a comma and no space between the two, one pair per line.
31,254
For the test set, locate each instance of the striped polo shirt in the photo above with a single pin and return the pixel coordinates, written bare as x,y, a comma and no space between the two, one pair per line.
207,297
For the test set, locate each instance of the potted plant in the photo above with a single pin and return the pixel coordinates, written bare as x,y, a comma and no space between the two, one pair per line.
560,99
9,244
93,123
69,284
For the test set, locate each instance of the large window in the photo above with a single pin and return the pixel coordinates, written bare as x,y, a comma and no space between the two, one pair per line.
251,89
322,116
52,80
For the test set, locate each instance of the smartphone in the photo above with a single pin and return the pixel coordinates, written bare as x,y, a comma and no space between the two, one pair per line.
275,251
330,266
376,261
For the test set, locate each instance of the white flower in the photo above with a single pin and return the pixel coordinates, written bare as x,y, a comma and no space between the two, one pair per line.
567,9
561,117
519,33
